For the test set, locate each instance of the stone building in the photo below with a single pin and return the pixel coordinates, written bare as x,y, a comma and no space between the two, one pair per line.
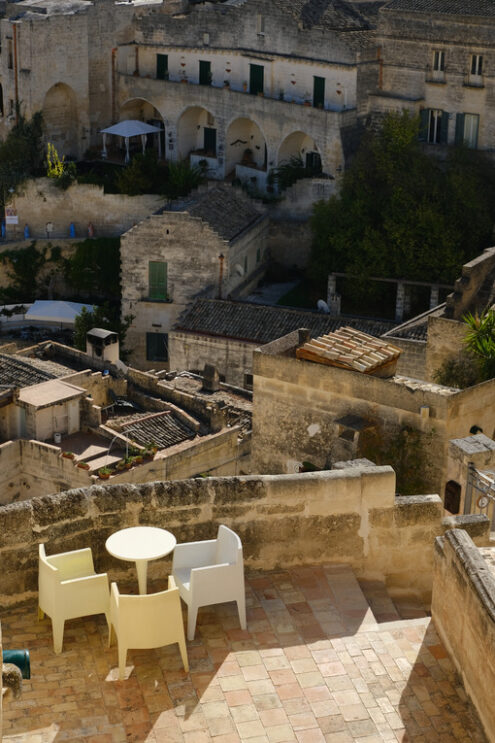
247,101
321,414
226,333
436,59
213,244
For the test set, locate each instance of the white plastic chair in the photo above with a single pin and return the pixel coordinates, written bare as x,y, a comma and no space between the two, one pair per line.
146,621
210,572
69,588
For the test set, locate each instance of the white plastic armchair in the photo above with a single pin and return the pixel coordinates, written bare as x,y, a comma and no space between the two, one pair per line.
69,588
146,621
210,572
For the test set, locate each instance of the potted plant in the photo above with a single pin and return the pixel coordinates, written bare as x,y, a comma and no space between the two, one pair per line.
138,458
68,454
83,465
120,466
148,453
104,473
128,462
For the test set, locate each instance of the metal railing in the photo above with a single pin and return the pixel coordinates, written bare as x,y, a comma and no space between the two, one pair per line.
480,494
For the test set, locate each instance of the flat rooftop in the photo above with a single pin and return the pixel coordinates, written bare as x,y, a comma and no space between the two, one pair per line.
313,666
52,392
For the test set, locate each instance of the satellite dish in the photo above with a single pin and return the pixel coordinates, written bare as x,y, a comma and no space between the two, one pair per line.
323,306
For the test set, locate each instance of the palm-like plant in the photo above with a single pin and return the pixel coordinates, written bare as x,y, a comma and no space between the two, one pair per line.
480,340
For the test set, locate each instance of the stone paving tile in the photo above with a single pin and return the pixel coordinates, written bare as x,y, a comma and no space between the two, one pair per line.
312,667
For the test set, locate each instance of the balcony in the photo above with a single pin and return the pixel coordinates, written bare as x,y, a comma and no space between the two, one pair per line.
210,164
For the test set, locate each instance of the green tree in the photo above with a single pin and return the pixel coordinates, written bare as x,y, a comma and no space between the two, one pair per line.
21,153
105,316
401,213
480,340
94,269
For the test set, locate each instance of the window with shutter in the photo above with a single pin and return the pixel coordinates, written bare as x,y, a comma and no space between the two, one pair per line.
162,66
319,92
157,346
157,280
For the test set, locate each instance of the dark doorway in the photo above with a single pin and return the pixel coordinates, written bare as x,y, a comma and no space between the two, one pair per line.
452,500
256,79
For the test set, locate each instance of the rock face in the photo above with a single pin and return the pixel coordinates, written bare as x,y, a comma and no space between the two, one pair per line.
12,679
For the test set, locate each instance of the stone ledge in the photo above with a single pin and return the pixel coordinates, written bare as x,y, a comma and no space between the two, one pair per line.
475,524
475,567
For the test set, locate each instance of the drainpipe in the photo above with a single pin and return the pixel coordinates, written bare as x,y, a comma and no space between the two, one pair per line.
380,67
221,258
16,82
136,53
114,80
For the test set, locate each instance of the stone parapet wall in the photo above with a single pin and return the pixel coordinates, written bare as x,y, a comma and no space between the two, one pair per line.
412,360
347,516
110,214
463,610
445,342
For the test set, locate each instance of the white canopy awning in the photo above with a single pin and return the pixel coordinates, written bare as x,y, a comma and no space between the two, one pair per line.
57,312
126,129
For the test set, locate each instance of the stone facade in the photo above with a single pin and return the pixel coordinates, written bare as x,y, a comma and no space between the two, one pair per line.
430,61
349,516
190,246
463,609
110,214
306,411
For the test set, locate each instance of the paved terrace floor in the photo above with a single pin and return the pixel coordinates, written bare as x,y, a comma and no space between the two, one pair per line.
313,666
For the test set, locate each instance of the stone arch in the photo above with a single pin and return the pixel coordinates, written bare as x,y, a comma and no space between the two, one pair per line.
302,145
60,118
196,133
245,143
143,110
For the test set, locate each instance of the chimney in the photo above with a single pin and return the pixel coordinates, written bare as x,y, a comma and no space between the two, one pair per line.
211,378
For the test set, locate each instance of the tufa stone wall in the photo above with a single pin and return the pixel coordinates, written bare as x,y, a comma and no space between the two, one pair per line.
463,610
412,361
348,516
445,341
297,406
232,358
111,214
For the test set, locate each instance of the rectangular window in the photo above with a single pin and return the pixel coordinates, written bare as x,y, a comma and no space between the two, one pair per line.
256,79
162,66
434,126
157,346
319,92
438,61
10,55
466,130
157,279
210,141
476,64
204,73
260,24
313,162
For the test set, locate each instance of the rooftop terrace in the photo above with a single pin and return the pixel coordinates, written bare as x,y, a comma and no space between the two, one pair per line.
313,666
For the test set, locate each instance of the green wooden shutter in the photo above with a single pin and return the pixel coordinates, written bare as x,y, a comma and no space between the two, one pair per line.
204,73
256,78
319,92
424,116
459,129
444,128
157,280
162,66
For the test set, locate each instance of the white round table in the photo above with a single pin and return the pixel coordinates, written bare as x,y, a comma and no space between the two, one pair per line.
139,544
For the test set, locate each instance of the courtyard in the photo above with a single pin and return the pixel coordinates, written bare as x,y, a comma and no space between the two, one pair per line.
314,665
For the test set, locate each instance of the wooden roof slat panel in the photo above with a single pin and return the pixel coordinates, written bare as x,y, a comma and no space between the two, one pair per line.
352,349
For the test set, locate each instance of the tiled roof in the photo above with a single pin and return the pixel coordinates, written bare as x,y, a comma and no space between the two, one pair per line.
164,429
13,371
350,349
227,211
329,14
445,7
262,324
